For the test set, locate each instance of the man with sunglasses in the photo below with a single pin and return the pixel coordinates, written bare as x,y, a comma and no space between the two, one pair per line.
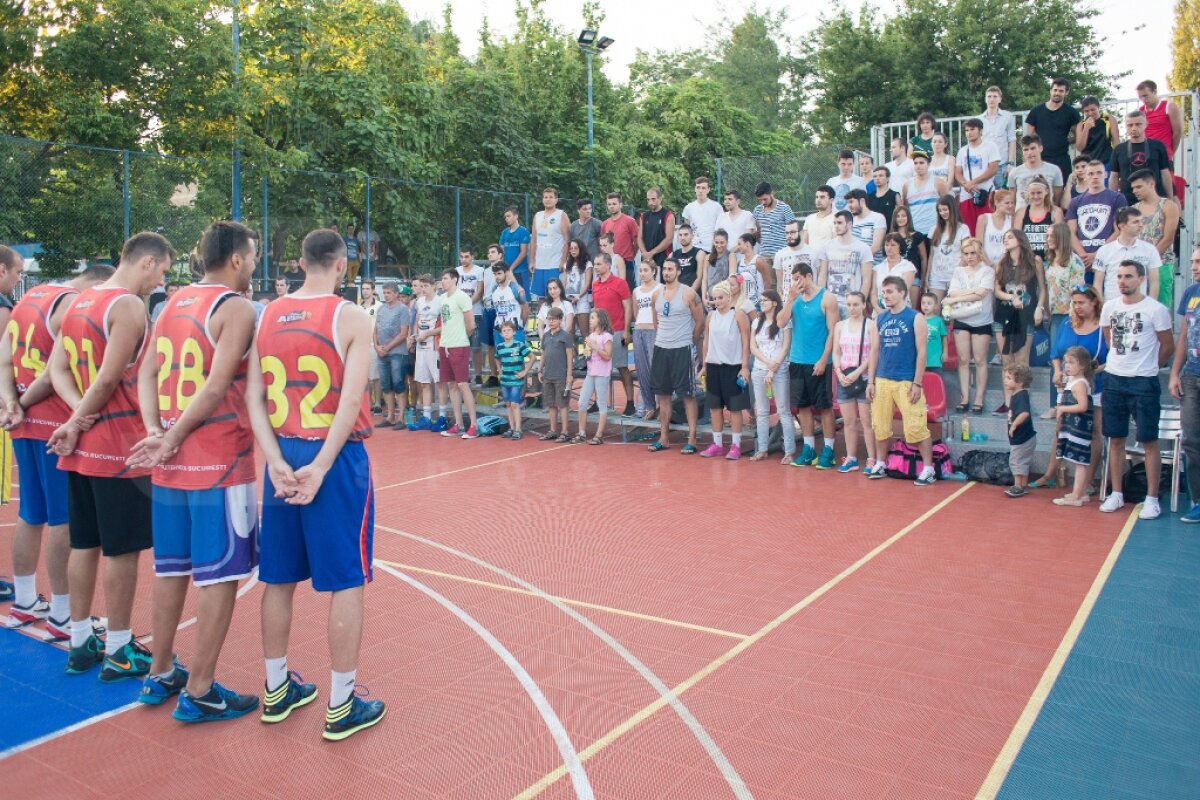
679,325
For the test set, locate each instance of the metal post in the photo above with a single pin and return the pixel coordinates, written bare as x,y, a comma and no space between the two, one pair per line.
718,171
369,266
125,188
457,222
266,229
236,201
591,136
526,217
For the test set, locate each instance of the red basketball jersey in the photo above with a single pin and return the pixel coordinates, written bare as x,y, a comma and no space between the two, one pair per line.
102,450
303,368
32,341
221,451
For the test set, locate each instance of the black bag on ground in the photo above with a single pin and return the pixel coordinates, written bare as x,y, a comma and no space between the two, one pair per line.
986,466
1133,483
679,414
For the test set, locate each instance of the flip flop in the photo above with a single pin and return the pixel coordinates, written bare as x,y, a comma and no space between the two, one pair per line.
595,440
688,449
658,447
961,408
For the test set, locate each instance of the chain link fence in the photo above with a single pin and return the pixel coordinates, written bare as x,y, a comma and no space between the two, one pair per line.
793,177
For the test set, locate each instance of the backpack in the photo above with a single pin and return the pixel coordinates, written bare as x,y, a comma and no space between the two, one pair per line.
1133,483
491,425
903,460
1039,353
987,466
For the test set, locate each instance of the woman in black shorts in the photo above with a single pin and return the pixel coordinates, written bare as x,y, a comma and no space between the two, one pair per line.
969,304
726,358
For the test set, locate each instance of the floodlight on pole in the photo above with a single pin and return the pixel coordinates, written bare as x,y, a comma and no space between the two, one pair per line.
590,42
586,37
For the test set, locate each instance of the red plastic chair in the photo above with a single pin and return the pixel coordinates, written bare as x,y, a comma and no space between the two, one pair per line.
935,397
949,353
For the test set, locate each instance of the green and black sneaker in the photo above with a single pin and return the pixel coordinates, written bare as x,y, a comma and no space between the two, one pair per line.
82,659
351,717
131,661
279,703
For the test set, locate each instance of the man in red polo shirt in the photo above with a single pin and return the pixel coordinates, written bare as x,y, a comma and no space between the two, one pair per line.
625,235
610,292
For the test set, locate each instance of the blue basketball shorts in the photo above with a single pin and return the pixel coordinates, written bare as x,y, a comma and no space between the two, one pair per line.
43,486
210,534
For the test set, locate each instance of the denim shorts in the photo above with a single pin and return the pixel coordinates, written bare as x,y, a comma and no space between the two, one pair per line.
393,372
512,394
1140,397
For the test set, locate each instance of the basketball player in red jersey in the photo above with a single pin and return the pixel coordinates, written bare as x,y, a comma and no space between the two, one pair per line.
34,411
306,392
199,444
94,370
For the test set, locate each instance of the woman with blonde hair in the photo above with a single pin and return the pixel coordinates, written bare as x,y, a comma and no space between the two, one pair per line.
726,370
991,227
1037,215
969,304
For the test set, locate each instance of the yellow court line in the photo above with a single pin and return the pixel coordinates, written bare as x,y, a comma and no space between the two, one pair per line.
645,713
580,603
1008,753
468,469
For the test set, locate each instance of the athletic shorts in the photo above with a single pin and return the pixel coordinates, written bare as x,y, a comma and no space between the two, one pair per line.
1123,396
720,381
426,367
489,323
541,277
620,351
113,514
331,539
43,487
809,390
210,534
455,364
890,395
553,393
671,372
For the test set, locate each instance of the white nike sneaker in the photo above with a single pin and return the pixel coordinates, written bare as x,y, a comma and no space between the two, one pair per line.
1113,502
1150,509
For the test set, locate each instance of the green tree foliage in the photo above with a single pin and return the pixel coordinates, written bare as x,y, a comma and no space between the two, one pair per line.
1185,45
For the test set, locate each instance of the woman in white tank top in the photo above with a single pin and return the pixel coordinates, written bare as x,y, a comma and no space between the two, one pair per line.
941,164
726,357
990,228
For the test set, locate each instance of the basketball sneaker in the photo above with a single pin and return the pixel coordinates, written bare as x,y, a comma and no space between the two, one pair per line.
156,690
131,661
279,703
216,704
351,717
20,616
82,659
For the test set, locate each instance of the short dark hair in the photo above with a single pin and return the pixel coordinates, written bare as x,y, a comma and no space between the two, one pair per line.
508,323
897,281
883,169
321,248
733,193
466,248
763,188
846,154
583,201
802,268
1123,214
151,244
1021,373
551,190
829,191
687,225
453,273
8,256
1142,175
613,196
1137,265
495,246
1090,100
554,312
702,179
514,210
901,141
974,122
97,272
1077,159
894,237
1151,85
1030,138
608,236
856,194
845,215
221,240
1060,81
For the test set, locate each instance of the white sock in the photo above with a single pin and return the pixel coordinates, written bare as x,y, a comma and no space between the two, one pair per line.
428,412
26,586
60,606
341,686
736,437
163,675
926,471
1119,495
441,411
81,629
116,640
811,441
277,673
718,438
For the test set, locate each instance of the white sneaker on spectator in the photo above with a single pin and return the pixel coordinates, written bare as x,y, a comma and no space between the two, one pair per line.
1113,502
1150,509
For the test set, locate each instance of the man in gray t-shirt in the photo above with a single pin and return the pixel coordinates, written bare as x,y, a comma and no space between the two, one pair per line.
586,229
393,321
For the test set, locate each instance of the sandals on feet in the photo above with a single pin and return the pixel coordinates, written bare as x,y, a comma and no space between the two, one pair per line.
961,408
758,457
688,449
562,437
977,409
578,438
595,440
545,437
658,447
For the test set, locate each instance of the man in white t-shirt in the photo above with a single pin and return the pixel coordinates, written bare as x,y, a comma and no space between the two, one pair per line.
1021,176
787,258
818,226
901,166
471,283
844,263
974,169
999,128
869,226
845,180
735,220
1128,246
1138,331
702,214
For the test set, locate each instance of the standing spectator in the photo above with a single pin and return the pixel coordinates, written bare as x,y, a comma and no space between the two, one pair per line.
282,287
941,165
735,220
845,180
845,263
1138,153
643,337
921,194
586,228
813,315
1076,423
611,293
772,215
702,214
971,308
1064,271
1037,215
726,368
548,250
509,304
624,230
1160,222
691,259
1164,122
495,255
900,168
947,237
679,316
558,355
576,279
1021,176
1022,437
353,254
868,226
608,247
454,353
1053,121
1021,303
1076,183
770,345
999,128
991,227
788,257
894,263
1097,131
974,169
422,340
852,339
717,269
1138,329
883,200
656,231
866,168
915,250
1185,382
922,142
513,355
515,240
599,349
752,269
894,380
818,226
1128,246
393,322
932,312
556,297
1092,215
471,282
369,302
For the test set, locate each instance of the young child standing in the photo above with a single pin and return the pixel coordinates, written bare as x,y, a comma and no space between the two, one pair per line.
937,331
512,355
1076,422
1021,435
599,375
558,354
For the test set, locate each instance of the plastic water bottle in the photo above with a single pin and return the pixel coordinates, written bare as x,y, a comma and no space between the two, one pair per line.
408,416
966,430
741,382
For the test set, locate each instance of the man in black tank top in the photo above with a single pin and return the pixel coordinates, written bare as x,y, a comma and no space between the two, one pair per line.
656,230
689,258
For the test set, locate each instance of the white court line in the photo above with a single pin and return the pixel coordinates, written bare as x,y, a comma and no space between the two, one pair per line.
579,779
740,790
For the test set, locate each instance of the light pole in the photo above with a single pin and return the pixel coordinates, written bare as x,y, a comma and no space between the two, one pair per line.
236,200
591,43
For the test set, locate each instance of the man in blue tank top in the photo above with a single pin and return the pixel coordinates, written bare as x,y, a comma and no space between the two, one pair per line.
813,314
894,378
